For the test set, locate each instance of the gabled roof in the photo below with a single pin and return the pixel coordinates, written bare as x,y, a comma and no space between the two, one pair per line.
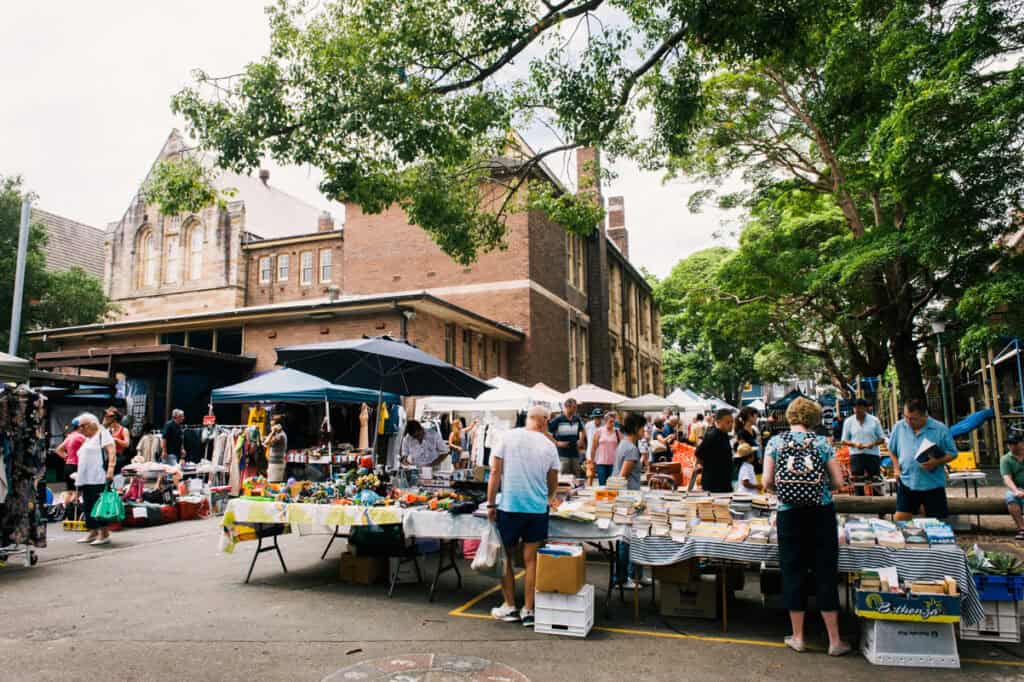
269,212
70,243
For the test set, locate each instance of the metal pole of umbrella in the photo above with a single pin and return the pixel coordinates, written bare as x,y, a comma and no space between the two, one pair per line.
330,453
376,422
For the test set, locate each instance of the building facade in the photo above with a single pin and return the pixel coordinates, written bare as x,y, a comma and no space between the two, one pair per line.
270,270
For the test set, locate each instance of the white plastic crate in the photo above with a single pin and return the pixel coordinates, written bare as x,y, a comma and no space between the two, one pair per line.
571,615
907,644
1000,624
581,601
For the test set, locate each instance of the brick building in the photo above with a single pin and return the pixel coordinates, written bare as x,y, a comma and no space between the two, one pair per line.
270,270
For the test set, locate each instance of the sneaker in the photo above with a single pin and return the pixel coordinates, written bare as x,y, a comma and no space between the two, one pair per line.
101,541
630,585
646,581
87,539
505,613
527,617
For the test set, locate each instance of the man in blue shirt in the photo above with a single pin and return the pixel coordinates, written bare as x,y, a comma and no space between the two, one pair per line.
921,484
862,433
569,433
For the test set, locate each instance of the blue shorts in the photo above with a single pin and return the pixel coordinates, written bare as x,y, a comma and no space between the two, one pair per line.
516,527
933,501
1013,499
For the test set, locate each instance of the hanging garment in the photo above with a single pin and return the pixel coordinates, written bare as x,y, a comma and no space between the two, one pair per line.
23,454
258,419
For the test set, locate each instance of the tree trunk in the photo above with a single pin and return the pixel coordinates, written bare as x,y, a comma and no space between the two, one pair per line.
908,368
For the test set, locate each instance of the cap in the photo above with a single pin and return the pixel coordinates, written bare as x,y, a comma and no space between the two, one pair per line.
74,423
1014,438
596,412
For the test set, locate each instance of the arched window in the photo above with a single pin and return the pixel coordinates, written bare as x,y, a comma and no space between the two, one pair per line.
148,258
195,251
173,259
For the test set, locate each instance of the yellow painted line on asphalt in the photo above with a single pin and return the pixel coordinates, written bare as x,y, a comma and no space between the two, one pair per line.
460,611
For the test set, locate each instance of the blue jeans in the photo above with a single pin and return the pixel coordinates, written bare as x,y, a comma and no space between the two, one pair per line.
624,568
603,471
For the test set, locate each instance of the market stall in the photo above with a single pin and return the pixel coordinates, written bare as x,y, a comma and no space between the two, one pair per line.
291,387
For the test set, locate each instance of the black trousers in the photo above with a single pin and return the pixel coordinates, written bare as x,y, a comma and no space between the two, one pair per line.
90,494
809,553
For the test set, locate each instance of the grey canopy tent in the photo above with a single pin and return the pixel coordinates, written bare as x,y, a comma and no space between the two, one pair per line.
13,369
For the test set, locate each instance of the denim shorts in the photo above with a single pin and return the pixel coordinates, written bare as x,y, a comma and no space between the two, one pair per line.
1013,499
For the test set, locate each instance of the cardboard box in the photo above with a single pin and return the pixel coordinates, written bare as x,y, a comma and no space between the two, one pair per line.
363,570
694,600
680,574
561,574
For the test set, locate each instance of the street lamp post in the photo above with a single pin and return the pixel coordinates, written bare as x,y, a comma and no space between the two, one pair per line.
938,326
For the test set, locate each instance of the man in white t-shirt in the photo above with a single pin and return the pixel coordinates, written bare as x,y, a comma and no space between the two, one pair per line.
746,482
525,469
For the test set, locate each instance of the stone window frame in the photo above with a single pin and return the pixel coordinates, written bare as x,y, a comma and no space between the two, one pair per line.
329,252
147,257
269,270
172,259
303,267
284,265
194,255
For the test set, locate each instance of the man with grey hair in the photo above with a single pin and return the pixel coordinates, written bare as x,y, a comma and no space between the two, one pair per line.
172,441
524,468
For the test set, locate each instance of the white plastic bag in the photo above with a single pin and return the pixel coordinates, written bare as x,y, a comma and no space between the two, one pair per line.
489,551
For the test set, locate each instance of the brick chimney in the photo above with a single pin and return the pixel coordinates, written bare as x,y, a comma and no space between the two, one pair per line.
325,223
617,224
588,168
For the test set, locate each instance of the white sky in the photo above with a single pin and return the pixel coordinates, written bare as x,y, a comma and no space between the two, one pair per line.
86,90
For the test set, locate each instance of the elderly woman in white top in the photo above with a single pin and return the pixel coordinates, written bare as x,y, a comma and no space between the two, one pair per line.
422,448
96,459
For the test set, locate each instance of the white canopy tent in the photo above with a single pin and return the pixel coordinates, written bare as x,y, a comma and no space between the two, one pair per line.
543,389
647,403
589,393
688,401
506,396
758,405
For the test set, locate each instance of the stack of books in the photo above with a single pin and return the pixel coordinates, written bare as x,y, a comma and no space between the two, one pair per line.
720,508
623,512
710,530
738,532
604,509
939,535
764,503
616,483
890,538
914,537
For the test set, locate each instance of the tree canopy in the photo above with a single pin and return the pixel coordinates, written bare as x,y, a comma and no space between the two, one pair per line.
52,299
879,141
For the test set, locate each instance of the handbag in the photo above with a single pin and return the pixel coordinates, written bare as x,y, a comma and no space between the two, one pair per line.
109,506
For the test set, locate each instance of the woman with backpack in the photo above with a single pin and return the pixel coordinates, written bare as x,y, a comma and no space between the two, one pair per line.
801,469
602,448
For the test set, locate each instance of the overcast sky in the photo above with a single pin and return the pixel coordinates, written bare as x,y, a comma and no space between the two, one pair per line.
86,89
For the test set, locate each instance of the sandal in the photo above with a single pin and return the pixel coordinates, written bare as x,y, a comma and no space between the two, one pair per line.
1020,535
795,644
840,649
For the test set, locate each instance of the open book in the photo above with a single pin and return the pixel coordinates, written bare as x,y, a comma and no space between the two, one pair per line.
928,450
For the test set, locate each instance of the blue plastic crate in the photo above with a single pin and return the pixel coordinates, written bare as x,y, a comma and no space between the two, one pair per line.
999,587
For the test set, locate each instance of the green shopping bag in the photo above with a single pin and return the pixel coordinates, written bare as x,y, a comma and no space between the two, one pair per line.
109,507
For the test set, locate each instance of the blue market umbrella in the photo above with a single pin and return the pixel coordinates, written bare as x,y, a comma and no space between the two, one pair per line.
382,364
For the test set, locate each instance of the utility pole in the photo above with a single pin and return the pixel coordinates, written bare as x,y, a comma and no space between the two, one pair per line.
19,275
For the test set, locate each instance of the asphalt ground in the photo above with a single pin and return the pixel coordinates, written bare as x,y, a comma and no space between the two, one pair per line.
163,603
